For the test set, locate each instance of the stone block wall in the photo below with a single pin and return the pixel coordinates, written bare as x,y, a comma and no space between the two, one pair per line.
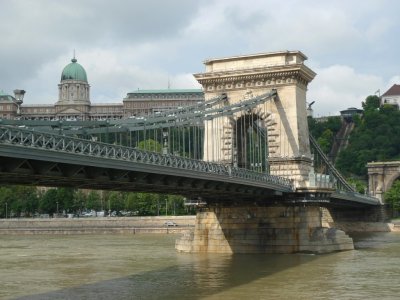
251,229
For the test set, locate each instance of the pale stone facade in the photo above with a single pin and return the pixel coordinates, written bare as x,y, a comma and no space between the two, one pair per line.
250,229
381,176
8,106
285,118
144,102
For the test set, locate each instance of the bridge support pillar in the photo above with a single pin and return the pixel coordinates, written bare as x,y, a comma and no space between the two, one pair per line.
252,229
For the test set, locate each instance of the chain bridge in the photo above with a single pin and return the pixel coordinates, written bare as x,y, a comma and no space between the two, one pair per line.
245,151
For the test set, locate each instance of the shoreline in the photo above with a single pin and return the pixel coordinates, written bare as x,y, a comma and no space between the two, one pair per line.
97,225
355,227
142,225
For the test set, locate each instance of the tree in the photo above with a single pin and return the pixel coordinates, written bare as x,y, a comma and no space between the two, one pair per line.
376,137
65,198
371,103
48,202
80,200
116,201
93,201
150,145
325,131
19,200
392,196
325,140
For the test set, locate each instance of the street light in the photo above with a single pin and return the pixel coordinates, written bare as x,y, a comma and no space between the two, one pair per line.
6,210
57,208
19,97
165,146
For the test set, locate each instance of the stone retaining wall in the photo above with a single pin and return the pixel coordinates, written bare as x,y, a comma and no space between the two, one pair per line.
366,226
128,225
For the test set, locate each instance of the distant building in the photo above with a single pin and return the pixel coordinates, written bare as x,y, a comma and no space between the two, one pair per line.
349,113
143,102
392,96
74,101
8,106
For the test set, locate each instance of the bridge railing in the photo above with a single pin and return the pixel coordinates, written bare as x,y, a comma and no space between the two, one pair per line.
53,142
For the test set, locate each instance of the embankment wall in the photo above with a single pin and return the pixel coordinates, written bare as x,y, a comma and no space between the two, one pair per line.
99,225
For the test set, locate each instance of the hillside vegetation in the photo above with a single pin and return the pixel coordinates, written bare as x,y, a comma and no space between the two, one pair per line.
376,137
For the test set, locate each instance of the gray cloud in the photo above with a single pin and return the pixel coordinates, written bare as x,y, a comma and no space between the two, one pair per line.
125,45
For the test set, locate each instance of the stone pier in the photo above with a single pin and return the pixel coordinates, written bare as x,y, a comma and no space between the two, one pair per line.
273,229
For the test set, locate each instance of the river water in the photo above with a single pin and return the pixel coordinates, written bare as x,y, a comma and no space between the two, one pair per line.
148,267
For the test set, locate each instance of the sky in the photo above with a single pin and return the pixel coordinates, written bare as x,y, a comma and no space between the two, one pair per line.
353,46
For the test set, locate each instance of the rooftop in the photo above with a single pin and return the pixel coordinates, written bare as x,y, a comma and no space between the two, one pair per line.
393,91
167,91
6,97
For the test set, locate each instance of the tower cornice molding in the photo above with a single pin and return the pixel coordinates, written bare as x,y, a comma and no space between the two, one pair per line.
298,71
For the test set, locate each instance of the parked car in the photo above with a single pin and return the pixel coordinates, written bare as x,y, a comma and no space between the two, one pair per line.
170,223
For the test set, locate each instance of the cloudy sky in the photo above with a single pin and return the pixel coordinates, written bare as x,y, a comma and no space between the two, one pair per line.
353,46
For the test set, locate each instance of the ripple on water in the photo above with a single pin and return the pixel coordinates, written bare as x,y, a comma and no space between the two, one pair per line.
148,267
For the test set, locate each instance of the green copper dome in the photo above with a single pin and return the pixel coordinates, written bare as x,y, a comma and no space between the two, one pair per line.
74,71
6,97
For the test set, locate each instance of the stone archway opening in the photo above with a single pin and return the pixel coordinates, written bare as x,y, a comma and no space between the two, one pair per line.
250,139
381,176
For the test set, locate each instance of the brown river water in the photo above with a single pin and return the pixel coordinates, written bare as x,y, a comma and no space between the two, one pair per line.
148,267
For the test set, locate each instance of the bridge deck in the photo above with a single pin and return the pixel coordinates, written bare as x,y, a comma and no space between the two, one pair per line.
30,157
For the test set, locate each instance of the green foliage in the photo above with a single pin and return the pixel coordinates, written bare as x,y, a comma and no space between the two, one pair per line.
150,145
376,137
48,203
65,198
26,201
325,140
392,196
116,201
19,200
93,201
371,103
325,131
360,186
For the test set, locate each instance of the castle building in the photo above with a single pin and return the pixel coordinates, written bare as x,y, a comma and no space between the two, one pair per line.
8,106
74,101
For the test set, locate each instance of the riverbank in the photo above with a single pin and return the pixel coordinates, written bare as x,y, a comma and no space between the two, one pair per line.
137,225
368,227
117,225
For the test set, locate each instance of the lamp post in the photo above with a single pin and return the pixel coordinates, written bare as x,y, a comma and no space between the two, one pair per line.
6,209
165,146
57,208
19,97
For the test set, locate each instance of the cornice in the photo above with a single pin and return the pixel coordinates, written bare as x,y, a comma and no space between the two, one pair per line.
267,77
300,71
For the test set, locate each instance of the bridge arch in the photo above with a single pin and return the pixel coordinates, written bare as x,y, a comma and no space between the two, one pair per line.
250,145
381,176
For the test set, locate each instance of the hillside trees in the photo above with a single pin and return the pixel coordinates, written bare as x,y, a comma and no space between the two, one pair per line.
325,131
392,197
376,137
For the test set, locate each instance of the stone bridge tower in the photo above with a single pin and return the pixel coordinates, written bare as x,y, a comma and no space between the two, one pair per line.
285,118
